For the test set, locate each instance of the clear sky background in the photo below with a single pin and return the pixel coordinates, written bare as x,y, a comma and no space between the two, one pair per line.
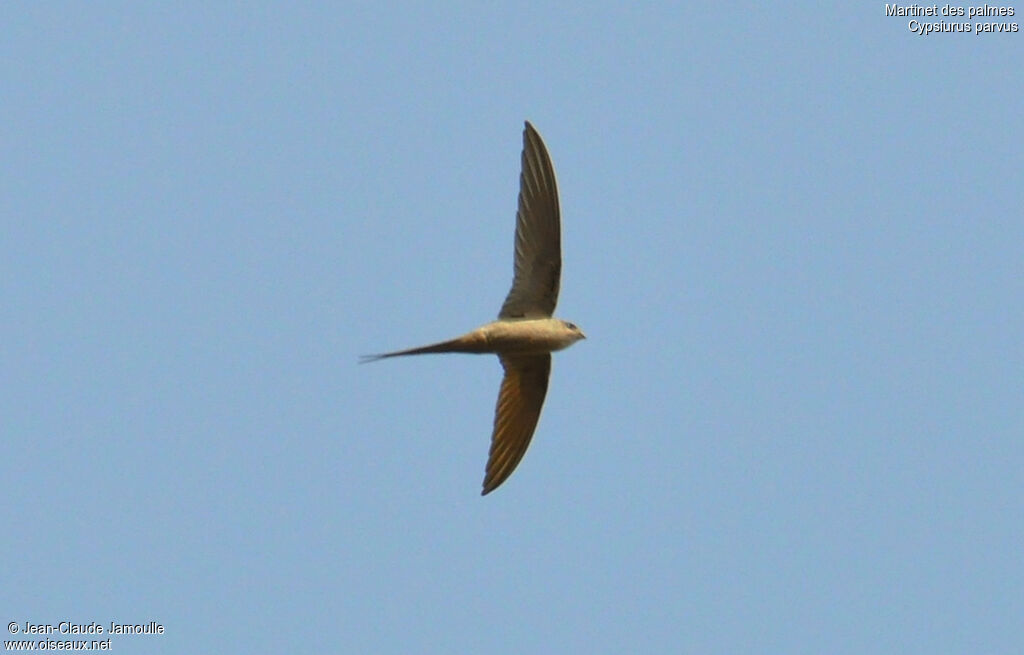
794,237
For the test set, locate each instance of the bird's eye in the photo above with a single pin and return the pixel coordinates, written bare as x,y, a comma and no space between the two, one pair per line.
571,326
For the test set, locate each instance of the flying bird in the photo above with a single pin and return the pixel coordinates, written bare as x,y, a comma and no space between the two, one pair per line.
525,334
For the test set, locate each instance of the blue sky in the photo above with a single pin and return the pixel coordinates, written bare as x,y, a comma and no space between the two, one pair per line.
793,236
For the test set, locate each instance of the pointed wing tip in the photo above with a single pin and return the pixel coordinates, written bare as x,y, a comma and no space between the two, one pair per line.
496,477
490,484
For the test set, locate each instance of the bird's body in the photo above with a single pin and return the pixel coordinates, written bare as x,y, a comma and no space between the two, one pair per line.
525,334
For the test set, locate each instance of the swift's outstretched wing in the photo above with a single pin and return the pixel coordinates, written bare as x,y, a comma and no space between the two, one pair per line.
538,248
515,417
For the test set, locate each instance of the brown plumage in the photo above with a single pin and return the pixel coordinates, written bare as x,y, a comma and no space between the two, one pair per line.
525,334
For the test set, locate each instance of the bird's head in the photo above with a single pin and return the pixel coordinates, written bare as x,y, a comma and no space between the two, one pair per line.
574,330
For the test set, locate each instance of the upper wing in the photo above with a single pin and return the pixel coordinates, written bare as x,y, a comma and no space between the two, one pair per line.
515,418
538,252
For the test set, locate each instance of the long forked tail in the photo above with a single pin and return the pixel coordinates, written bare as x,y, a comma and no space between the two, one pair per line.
473,342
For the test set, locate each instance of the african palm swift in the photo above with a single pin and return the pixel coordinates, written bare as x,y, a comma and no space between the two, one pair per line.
525,334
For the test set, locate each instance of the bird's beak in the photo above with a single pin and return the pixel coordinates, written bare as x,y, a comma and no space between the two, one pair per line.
582,336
